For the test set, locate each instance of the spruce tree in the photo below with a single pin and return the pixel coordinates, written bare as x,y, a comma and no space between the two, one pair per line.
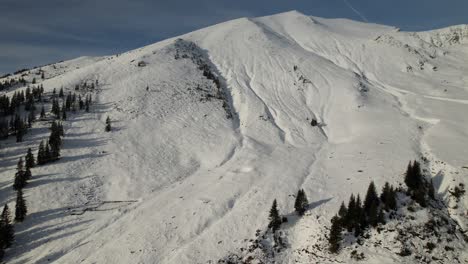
388,197
20,209
371,197
343,211
30,163
7,233
360,222
42,112
27,174
41,153
274,217
351,214
61,92
64,114
20,179
301,203
108,124
334,238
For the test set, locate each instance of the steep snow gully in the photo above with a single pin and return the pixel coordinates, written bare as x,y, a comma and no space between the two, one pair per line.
211,126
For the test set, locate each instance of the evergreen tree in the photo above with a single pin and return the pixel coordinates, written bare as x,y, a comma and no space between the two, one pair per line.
21,209
388,197
41,154
64,114
360,221
301,203
47,154
334,238
373,214
27,174
381,216
20,179
343,211
108,125
351,214
413,176
61,92
30,162
7,233
42,112
274,217
371,197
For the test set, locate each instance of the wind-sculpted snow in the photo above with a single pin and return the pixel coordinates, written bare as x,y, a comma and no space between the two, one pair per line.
211,126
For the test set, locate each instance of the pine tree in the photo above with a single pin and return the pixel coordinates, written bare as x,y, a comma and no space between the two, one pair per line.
351,214
47,154
301,203
20,179
274,217
343,211
61,92
64,114
21,209
30,163
27,174
108,124
7,233
413,176
42,112
41,154
371,197
360,222
388,197
334,238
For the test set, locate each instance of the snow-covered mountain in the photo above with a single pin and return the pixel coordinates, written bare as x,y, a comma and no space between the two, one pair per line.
211,126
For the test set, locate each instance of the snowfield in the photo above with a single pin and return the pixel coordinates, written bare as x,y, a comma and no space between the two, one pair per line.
192,165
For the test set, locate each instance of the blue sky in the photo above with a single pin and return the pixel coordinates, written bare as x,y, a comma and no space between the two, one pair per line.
39,32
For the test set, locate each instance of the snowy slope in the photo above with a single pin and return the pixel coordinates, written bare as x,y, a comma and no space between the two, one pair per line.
194,183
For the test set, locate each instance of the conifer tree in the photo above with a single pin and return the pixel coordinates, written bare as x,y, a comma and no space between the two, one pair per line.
30,162
301,203
64,114
371,197
388,197
42,112
343,211
274,217
108,124
360,221
41,154
7,233
351,214
20,209
47,154
334,238
27,174
61,92
20,179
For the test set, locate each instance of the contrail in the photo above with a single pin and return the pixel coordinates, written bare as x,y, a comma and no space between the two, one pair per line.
355,11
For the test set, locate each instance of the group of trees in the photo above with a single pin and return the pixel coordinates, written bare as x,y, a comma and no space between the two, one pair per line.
17,125
50,150
300,205
71,102
358,216
419,188
11,83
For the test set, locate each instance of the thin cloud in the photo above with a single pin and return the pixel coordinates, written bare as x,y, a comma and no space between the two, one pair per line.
355,11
